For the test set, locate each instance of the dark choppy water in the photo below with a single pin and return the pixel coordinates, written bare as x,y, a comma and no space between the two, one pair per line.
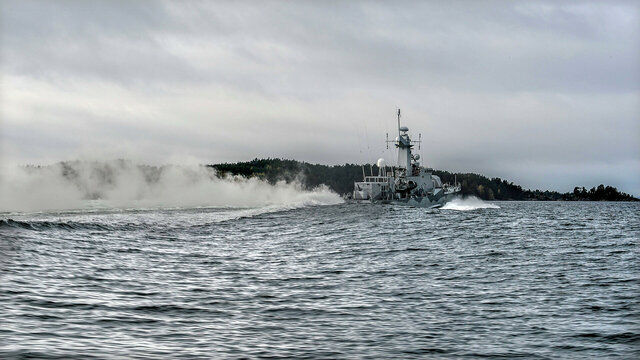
534,280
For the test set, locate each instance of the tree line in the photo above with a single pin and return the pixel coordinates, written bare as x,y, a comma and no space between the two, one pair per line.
340,178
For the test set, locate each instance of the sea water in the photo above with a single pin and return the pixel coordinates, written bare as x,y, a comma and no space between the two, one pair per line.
307,280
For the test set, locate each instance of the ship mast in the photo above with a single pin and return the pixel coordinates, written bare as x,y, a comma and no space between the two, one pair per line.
404,144
398,123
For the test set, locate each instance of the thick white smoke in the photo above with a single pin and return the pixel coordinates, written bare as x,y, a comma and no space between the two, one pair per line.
122,184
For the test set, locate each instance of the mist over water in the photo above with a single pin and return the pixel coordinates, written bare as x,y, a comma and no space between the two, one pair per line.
123,184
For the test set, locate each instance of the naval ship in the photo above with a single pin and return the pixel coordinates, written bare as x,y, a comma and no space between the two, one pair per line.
408,183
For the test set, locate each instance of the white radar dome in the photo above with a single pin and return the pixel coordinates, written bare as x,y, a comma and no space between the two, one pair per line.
381,163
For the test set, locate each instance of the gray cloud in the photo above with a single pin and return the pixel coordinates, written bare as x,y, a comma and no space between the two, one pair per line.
492,85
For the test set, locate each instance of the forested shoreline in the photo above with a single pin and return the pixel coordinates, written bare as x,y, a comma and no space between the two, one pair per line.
340,178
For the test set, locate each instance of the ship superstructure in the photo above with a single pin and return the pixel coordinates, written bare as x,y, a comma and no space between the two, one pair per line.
407,183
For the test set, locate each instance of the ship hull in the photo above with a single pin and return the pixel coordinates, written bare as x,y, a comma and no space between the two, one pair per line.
425,201
415,201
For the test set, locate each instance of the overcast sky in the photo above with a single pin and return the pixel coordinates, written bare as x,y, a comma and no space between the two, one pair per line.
543,93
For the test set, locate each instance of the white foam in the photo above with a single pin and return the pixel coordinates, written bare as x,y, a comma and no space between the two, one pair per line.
469,203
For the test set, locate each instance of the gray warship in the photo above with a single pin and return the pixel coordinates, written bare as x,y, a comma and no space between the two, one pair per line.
408,183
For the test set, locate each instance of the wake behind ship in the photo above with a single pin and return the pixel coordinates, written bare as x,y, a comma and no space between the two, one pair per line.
407,183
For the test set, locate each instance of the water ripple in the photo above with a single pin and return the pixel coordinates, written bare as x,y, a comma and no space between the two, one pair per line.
515,280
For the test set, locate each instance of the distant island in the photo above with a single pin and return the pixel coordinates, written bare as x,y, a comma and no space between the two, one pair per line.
340,178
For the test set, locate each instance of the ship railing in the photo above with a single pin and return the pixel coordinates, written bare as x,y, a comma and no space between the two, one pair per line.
376,179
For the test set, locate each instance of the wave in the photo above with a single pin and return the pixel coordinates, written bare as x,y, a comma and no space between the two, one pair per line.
48,225
469,203
182,217
122,184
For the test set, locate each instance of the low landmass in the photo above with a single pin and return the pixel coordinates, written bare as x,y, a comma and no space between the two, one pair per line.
340,178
